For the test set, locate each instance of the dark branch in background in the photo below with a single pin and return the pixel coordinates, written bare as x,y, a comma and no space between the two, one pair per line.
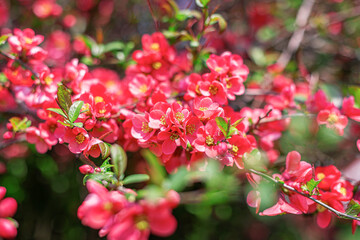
153,16
284,117
302,18
284,185
21,63
5,144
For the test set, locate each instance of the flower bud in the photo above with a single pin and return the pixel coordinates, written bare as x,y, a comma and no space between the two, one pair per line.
7,228
8,135
8,207
86,169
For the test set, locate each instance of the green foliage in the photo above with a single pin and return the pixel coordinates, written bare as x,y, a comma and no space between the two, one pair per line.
119,160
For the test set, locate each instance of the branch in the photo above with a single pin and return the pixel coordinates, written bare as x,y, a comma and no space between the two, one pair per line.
284,185
302,18
153,16
21,63
284,117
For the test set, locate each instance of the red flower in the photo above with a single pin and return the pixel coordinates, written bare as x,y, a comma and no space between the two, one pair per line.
78,139
100,205
333,120
328,175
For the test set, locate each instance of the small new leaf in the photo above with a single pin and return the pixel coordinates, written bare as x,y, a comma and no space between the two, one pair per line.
136,178
312,184
217,18
58,111
64,98
78,124
19,124
105,150
222,124
119,160
353,208
74,110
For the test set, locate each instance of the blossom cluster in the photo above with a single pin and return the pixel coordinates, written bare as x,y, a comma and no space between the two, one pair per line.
8,207
181,116
119,218
327,186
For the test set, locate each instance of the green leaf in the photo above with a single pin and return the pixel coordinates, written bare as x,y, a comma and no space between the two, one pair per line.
3,38
58,111
78,124
19,124
237,122
157,171
183,15
89,42
222,124
105,150
64,98
179,180
114,46
74,110
232,131
217,18
202,3
353,208
312,184
258,56
136,178
253,160
119,160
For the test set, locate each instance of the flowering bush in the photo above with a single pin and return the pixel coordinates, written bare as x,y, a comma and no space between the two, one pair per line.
187,115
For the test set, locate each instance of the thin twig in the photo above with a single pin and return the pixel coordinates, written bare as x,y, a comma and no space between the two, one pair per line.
284,117
302,18
284,185
153,16
24,65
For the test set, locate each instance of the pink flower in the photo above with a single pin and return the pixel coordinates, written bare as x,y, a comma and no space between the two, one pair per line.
141,86
205,108
215,90
7,228
100,205
141,129
328,175
332,119
46,8
41,137
349,109
78,139
207,138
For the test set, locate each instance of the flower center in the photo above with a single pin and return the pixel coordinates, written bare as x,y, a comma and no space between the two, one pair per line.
213,90
145,127
156,65
163,120
179,116
155,46
174,136
218,69
203,108
48,80
343,191
333,118
320,176
209,140
98,99
143,88
108,206
141,223
235,149
190,129
80,138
